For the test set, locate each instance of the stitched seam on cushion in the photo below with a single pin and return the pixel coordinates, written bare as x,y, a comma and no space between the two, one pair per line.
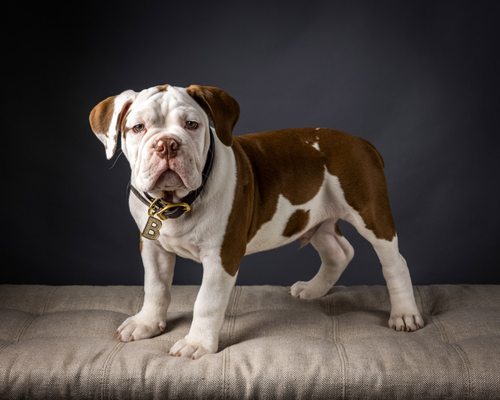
106,368
466,364
226,349
461,354
345,364
49,298
228,316
26,325
231,324
338,345
442,332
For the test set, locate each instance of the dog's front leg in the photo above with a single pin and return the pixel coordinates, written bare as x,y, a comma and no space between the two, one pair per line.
158,274
209,309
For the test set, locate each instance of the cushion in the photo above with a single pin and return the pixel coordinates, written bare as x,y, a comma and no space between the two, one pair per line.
59,342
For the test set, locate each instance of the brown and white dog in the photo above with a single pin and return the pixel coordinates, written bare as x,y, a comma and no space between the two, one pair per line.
260,191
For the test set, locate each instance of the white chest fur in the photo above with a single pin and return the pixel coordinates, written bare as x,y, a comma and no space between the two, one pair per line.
191,235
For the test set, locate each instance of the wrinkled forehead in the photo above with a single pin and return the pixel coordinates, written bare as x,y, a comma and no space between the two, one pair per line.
160,100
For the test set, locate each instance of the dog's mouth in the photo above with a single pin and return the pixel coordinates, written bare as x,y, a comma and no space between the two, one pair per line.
155,174
169,180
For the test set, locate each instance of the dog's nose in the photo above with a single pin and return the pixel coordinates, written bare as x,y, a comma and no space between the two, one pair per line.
167,146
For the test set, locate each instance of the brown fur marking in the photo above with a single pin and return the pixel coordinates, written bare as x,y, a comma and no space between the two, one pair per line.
162,88
285,163
280,165
296,223
220,107
360,170
235,238
101,115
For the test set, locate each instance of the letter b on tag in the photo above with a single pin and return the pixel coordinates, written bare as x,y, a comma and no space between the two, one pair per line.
152,229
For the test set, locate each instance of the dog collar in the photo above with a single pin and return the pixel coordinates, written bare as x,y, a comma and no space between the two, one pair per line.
159,208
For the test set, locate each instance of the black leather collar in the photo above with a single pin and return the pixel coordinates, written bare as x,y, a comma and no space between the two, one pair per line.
164,209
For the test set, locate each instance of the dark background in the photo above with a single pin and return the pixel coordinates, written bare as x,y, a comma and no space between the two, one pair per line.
419,79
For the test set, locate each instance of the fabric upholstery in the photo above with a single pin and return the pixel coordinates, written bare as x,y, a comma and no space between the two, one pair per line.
58,342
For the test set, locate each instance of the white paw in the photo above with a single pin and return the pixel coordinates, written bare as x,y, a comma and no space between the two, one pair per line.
407,322
189,348
309,290
140,326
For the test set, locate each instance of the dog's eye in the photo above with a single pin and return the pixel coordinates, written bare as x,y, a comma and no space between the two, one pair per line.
138,128
191,125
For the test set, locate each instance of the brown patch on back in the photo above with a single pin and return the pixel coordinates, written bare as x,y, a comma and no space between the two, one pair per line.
284,162
140,244
296,223
101,115
266,166
162,88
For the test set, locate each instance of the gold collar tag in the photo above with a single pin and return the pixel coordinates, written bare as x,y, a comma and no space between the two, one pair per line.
157,212
152,229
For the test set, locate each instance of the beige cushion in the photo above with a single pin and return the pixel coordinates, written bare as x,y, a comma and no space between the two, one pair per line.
58,342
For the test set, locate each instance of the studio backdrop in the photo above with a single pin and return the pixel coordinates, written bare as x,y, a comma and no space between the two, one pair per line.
419,80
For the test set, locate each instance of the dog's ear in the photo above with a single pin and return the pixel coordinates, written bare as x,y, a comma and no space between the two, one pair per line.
106,117
220,107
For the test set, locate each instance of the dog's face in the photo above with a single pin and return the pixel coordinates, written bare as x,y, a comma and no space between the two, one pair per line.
165,132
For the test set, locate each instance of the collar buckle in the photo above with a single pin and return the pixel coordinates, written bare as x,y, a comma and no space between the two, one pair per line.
163,210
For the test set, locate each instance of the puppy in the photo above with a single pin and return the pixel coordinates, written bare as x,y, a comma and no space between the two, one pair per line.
198,192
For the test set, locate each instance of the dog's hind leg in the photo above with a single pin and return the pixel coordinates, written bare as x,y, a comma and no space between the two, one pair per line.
404,312
335,253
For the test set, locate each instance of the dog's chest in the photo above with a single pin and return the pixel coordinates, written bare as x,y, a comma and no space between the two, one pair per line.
184,246
181,239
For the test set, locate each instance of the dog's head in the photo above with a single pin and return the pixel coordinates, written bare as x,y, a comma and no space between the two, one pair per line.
165,132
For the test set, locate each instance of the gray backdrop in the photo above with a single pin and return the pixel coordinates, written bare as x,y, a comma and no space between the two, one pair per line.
419,79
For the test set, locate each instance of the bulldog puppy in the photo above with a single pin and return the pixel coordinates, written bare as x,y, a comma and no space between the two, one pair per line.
200,193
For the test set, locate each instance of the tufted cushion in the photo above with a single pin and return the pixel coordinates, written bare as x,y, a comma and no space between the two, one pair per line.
58,342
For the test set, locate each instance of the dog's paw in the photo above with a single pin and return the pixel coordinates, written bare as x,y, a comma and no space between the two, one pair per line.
308,290
408,322
191,349
140,326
